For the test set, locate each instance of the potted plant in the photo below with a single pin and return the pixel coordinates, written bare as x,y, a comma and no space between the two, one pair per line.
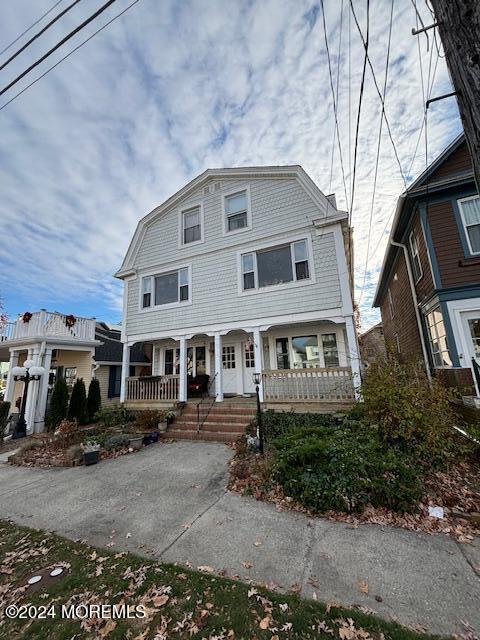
136,442
169,417
90,453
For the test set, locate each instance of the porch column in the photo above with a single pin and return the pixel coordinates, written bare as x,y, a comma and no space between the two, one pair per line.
218,368
258,353
182,389
9,389
125,370
32,393
39,422
354,356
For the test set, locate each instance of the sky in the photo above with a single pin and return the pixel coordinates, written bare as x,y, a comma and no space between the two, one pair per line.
174,87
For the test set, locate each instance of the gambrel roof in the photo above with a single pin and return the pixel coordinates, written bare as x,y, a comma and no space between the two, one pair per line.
290,171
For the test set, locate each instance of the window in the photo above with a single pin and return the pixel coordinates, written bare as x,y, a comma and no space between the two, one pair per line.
470,212
474,325
172,362
390,304
236,211
228,357
283,360
200,361
168,288
249,356
275,265
438,339
305,353
330,350
416,264
71,376
114,381
192,225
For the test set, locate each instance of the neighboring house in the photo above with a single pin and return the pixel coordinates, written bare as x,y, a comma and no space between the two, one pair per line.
242,271
429,286
372,344
84,349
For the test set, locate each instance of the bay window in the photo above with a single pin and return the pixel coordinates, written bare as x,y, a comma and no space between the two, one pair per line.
275,265
172,287
438,339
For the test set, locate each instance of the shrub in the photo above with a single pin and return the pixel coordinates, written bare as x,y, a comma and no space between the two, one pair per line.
411,412
112,416
4,413
344,468
58,404
77,409
67,434
276,423
148,420
94,399
117,441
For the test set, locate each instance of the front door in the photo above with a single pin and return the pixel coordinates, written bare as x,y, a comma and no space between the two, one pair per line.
471,328
248,367
232,367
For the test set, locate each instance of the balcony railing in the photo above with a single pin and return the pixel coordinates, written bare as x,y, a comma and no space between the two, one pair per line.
152,389
308,385
44,324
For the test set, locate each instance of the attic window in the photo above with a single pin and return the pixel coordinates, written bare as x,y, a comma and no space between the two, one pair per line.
192,225
237,211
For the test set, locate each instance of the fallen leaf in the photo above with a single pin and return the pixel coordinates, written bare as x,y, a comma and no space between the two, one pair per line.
362,585
247,564
265,622
252,592
206,568
129,535
159,601
108,628
283,607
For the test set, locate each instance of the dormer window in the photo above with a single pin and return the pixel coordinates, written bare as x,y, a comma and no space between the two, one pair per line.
191,225
237,211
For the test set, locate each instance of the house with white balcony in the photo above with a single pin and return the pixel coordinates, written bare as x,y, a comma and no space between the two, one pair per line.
68,347
242,271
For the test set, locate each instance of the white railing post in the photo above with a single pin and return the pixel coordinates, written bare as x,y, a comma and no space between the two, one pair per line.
354,356
125,370
258,353
182,391
10,381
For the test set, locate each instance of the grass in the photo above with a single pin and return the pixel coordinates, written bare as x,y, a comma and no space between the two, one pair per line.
180,603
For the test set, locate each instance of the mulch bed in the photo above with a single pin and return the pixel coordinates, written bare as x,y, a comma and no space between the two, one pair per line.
457,491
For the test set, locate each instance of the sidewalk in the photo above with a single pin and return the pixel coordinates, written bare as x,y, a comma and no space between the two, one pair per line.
172,499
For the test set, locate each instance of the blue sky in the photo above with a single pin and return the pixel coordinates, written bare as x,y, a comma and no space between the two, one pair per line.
172,88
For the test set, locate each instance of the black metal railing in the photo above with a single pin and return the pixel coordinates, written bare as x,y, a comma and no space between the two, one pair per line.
207,403
476,371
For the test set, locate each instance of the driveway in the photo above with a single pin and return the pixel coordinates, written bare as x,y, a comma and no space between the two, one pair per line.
171,501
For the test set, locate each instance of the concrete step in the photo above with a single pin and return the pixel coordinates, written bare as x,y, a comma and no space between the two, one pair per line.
216,417
177,434
210,426
238,411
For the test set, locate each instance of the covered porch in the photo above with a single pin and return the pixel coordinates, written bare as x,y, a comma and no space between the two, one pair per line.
298,363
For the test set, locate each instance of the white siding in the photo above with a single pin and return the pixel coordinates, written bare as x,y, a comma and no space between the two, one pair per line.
280,208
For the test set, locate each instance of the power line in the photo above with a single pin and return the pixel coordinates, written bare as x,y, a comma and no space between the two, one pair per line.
379,94
30,27
379,141
336,96
37,35
58,45
69,54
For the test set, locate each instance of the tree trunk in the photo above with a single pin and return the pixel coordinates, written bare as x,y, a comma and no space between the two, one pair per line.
459,28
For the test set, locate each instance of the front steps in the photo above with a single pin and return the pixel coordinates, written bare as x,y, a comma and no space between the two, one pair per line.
226,422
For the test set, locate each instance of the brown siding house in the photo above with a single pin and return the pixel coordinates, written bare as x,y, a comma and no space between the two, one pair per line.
431,272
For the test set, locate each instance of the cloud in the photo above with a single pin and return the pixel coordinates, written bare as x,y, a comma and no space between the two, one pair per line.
172,88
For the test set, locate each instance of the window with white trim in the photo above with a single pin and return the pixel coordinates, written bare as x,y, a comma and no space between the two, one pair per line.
228,357
275,265
166,288
470,212
438,339
236,211
191,225
415,255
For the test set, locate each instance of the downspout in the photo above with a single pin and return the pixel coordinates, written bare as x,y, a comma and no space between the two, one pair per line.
415,304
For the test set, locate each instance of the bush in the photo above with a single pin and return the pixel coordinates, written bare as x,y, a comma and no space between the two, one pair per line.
117,441
4,413
276,424
77,409
345,468
67,434
112,416
94,399
58,404
148,420
411,412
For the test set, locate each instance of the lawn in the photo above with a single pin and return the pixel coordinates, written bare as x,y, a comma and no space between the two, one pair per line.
171,601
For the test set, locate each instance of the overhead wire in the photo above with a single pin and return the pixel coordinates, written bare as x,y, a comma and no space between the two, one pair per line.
34,24
79,46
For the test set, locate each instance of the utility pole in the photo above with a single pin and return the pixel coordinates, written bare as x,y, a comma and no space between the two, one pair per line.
459,27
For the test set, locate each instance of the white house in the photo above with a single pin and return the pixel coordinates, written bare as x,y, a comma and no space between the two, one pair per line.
243,270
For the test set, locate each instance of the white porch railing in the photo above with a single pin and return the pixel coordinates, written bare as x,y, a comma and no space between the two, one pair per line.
308,385
152,388
46,324
7,330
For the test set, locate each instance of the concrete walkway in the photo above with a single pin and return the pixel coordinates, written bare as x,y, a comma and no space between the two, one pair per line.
172,499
